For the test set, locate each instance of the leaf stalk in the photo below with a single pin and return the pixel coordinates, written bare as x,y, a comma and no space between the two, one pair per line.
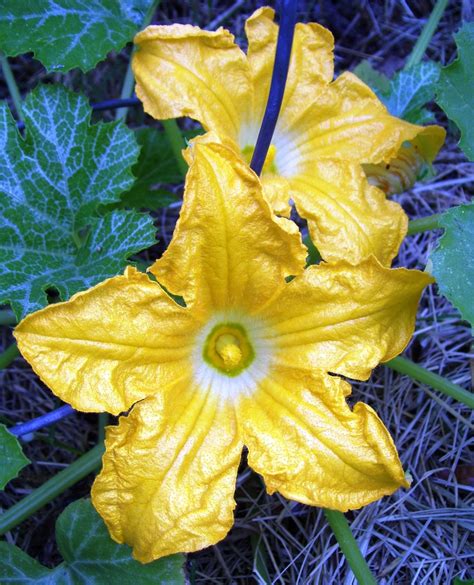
129,80
8,356
55,486
426,34
431,222
405,366
342,531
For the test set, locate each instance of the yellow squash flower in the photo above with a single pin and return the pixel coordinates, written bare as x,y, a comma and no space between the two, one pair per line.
410,165
246,361
325,131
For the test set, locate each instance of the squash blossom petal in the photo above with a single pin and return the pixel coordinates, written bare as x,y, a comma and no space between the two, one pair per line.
325,131
412,164
246,361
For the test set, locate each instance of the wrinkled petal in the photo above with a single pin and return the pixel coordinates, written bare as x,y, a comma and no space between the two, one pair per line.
276,189
311,64
346,122
311,447
348,219
228,249
344,319
411,164
169,472
277,192
182,70
110,346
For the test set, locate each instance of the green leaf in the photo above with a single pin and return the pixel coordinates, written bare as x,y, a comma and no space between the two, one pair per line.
154,199
406,94
11,455
410,90
64,34
156,166
453,260
51,185
16,567
377,81
91,557
455,89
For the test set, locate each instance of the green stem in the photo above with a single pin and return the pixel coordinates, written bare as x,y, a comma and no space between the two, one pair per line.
416,372
432,222
8,356
103,422
7,317
127,90
349,547
52,488
129,80
11,83
176,140
426,34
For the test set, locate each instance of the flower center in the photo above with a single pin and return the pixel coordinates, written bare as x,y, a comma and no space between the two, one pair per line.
228,349
269,165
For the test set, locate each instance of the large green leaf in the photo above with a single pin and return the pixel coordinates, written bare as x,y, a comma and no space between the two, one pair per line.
456,88
453,260
11,456
91,557
51,185
410,90
378,82
156,166
64,34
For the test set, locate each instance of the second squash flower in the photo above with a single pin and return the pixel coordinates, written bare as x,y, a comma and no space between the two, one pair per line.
326,128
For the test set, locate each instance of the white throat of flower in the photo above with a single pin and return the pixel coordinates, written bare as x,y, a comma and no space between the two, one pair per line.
231,356
285,154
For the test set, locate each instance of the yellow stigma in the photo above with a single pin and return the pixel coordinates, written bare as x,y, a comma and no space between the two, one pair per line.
269,165
228,347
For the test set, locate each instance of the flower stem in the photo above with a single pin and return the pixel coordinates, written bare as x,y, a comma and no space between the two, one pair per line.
11,83
349,547
426,34
103,422
42,421
38,498
127,91
176,141
8,356
405,366
277,87
431,222
129,81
